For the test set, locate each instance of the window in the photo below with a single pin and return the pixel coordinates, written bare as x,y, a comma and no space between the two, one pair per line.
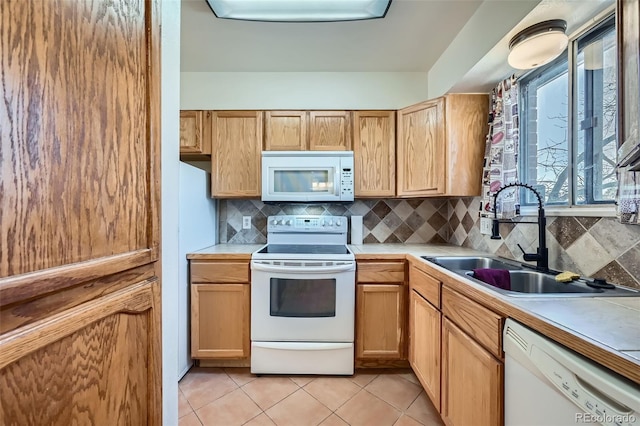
568,123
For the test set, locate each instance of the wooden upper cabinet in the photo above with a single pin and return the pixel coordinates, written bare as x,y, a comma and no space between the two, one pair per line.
374,152
440,146
329,131
285,130
236,151
194,137
421,149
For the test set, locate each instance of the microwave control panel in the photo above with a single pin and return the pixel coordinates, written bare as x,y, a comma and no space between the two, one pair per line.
346,181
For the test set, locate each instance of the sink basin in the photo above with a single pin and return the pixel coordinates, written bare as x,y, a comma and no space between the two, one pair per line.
525,282
533,283
469,263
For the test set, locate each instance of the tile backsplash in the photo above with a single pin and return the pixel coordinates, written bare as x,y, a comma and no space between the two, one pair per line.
591,246
598,247
384,221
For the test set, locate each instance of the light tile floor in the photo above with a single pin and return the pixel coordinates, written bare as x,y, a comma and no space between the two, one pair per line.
233,396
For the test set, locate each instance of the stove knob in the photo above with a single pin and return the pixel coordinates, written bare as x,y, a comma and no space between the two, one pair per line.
288,223
338,222
281,221
331,223
274,222
322,223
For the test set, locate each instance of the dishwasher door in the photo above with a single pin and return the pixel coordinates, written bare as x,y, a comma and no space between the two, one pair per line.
548,384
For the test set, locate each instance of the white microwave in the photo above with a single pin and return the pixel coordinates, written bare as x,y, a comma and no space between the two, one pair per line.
306,176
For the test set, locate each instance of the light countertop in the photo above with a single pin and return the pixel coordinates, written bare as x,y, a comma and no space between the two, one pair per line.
606,330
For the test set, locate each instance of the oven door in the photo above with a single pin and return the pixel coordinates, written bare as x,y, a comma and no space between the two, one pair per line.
304,301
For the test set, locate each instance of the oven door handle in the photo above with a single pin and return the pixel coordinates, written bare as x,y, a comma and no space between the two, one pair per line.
302,268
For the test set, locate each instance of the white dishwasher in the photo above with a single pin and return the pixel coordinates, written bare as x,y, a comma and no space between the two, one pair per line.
547,384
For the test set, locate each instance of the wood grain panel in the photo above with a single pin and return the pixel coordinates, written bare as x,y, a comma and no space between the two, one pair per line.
220,272
191,132
329,131
93,375
483,325
466,134
285,130
28,312
236,151
75,134
472,381
425,285
421,160
374,143
425,345
380,272
380,321
220,320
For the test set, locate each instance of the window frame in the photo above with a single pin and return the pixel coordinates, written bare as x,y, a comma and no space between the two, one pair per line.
591,30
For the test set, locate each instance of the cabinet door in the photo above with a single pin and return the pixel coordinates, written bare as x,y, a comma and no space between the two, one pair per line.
424,345
191,132
236,150
329,131
421,164
380,321
374,151
220,320
285,130
472,381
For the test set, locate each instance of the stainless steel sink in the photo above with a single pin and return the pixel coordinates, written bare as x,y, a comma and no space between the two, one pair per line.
525,282
539,284
469,263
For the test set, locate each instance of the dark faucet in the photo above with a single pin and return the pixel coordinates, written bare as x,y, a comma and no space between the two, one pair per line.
541,256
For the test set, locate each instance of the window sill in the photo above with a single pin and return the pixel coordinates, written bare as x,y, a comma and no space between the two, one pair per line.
584,211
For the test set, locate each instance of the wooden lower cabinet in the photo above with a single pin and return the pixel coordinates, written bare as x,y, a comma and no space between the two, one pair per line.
424,347
220,320
221,311
472,385
380,321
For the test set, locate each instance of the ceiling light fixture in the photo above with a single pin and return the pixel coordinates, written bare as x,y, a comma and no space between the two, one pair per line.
538,44
299,10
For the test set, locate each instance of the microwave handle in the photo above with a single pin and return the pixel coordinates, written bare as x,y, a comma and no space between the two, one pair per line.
337,188
285,269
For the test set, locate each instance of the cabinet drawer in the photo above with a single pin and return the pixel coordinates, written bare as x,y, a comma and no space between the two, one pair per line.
219,272
425,285
380,272
484,325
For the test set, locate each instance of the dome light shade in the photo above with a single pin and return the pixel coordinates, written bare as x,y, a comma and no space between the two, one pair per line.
538,44
299,10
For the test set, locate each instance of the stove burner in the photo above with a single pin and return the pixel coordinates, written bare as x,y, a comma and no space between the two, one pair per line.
303,249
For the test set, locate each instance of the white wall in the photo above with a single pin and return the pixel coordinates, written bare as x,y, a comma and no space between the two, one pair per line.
170,106
485,29
302,90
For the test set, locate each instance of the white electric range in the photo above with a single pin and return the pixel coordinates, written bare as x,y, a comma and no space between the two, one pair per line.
303,298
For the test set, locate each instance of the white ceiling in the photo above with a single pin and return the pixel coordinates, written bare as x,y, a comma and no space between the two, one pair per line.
410,38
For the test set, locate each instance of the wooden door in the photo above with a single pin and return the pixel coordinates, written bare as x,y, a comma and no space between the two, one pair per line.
285,131
220,321
191,135
79,216
472,381
236,154
380,321
421,156
374,152
424,345
329,131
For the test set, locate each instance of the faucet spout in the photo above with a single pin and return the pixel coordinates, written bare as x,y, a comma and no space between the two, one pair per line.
541,256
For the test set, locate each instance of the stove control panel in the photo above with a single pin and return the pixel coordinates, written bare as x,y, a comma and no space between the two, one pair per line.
301,223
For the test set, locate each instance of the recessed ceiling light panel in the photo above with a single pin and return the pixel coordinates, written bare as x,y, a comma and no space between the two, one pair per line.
299,10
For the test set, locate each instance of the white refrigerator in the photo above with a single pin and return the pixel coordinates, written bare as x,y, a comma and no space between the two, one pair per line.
197,230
